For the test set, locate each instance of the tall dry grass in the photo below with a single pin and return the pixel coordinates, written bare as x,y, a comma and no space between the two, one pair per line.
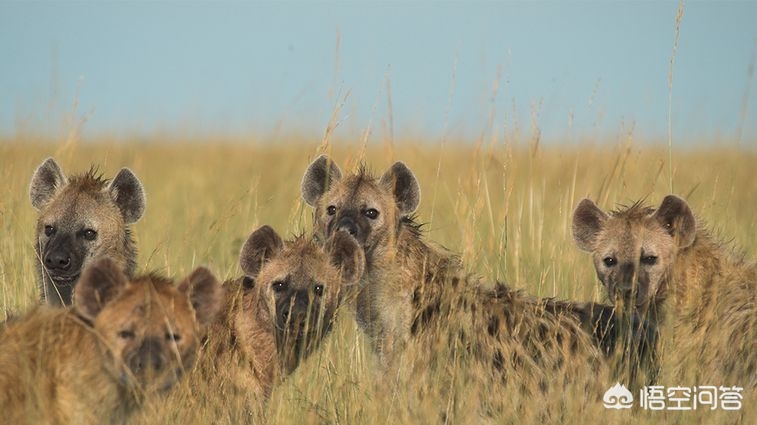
505,208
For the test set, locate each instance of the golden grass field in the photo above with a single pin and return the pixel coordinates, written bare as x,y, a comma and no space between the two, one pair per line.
506,208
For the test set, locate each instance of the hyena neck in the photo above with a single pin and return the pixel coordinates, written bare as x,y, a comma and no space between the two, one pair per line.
411,268
423,260
696,271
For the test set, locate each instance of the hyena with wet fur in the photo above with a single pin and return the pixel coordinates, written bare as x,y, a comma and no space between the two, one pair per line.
663,264
416,294
125,340
273,318
82,217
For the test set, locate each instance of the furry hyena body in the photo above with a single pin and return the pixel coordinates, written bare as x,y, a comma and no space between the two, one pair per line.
124,341
81,218
447,336
662,264
273,318
413,292
376,212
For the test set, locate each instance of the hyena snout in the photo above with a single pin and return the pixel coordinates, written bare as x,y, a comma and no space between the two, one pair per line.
61,257
58,260
628,284
352,225
293,311
348,225
149,357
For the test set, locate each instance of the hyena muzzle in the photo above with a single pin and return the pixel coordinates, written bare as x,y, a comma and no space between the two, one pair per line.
81,218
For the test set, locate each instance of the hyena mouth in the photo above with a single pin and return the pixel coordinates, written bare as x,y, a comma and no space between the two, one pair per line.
61,280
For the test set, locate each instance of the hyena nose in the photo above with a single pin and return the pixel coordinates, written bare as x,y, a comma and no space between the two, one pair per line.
627,278
149,356
57,260
348,225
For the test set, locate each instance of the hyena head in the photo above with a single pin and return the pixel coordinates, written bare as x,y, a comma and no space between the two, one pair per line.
299,286
634,249
370,209
81,218
148,327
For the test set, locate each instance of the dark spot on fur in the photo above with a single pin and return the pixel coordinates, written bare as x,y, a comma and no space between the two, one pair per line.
424,318
493,327
498,361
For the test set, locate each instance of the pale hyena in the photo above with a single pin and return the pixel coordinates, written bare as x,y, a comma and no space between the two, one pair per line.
660,262
81,218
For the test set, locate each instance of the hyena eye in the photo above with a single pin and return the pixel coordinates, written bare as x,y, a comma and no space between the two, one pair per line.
49,230
372,213
331,210
126,334
248,282
609,261
279,286
90,234
318,290
649,260
170,336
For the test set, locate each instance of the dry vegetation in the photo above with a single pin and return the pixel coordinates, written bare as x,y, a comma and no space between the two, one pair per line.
507,209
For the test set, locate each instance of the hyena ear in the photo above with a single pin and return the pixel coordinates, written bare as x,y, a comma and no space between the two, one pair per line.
588,221
100,282
205,294
347,255
47,179
262,244
676,217
319,176
128,194
404,187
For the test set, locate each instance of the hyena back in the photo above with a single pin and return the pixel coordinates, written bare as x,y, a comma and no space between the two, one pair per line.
81,218
125,340
660,262
273,318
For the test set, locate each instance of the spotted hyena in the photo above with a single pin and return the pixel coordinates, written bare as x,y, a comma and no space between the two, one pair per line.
415,296
662,262
274,317
378,214
81,218
124,340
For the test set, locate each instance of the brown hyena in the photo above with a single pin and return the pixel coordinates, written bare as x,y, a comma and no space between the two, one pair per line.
415,296
274,317
81,218
660,262
124,340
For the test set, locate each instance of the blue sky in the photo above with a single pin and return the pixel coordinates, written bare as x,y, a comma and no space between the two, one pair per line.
593,69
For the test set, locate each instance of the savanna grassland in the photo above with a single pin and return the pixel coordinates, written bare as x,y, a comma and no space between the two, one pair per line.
505,208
